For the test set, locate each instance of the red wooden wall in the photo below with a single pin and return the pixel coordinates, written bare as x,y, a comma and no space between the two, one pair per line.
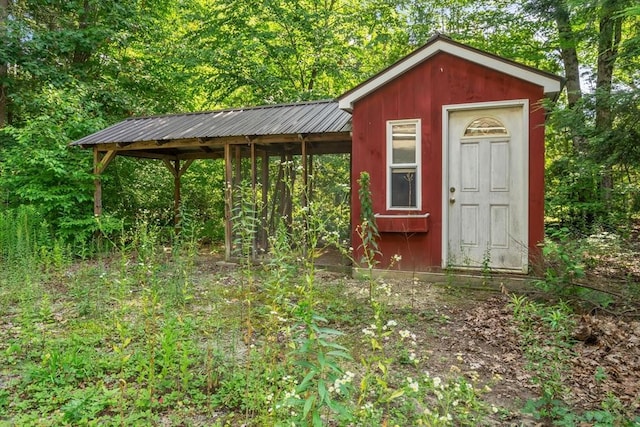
420,93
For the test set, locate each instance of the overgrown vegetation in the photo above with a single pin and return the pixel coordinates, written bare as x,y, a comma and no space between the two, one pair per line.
146,333
117,321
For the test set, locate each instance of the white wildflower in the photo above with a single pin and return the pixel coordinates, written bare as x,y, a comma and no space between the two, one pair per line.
437,382
412,384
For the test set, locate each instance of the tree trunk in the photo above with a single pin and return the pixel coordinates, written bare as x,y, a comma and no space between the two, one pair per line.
568,52
608,43
82,54
4,8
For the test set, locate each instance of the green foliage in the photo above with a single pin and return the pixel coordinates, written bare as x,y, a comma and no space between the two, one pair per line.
575,196
367,230
564,263
23,232
545,332
39,169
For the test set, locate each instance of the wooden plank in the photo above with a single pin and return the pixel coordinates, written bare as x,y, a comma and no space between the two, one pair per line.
237,173
227,201
264,181
334,137
278,196
97,182
171,167
185,166
176,195
254,201
305,172
147,155
105,160
311,181
305,191
201,156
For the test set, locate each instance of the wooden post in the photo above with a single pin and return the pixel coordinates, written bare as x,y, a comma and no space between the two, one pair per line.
100,163
265,199
289,190
177,173
176,195
305,191
305,173
237,176
97,182
277,201
254,200
228,200
312,177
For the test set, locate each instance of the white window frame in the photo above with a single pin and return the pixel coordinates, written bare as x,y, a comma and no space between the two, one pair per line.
417,165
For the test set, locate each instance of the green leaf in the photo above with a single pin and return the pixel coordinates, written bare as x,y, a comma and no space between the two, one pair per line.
308,404
322,392
321,360
330,331
317,421
305,382
340,354
396,394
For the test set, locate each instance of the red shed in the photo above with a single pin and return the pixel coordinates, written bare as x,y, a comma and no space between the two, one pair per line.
453,139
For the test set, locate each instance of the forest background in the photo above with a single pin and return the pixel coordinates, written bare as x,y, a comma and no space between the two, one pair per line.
155,333
71,67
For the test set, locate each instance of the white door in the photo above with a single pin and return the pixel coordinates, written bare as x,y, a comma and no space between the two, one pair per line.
486,185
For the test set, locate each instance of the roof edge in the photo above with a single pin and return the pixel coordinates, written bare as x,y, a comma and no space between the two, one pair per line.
232,109
550,83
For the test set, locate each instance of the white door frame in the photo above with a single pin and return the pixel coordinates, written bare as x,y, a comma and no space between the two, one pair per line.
524,188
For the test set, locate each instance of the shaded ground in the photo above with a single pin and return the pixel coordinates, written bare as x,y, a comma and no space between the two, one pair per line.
474,331
458,331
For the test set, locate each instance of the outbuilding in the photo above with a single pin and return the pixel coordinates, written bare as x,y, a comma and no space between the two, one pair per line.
451,136
453,140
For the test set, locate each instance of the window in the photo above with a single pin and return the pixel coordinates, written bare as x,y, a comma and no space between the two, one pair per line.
486,126
403,164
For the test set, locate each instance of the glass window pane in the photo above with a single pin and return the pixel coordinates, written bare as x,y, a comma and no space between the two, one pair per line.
403,143
485,126
403,187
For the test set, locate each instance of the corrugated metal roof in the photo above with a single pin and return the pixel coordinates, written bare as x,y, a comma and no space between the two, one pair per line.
300,118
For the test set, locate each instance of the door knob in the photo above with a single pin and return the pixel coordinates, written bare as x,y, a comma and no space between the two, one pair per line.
452,200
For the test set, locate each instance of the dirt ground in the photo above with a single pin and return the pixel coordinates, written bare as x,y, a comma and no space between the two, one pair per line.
473,330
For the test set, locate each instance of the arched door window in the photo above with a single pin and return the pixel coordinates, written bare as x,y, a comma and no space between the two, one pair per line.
486,126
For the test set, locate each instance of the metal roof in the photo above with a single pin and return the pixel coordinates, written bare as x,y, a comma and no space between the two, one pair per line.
287,119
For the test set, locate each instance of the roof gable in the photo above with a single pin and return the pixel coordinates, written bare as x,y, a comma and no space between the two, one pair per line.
550,83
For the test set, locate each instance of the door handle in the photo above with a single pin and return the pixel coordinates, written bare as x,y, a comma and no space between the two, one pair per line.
452,200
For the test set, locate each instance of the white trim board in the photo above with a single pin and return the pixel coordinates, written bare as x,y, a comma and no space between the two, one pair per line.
551,84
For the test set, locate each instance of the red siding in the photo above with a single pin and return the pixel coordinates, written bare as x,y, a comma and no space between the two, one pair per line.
420,93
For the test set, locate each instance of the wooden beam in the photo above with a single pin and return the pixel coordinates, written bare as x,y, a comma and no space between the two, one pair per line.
105,160
305,171
264,181
147,155
336,137
171,167
185,166
305,192
100,162
177,197
228,198
97,194
194,156
254,199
